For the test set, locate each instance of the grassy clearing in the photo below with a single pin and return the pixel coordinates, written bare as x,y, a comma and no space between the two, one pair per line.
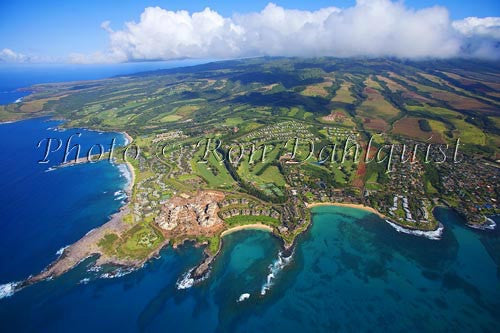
370,83
107,243
344,95
234,121
392,85
468,133
139,241
495,120
409,126
37,104
213,243
437,126
293,111
262,173
273,175
250,219
429,188
438,111
186,110
213,172
170,118
375,105
317,89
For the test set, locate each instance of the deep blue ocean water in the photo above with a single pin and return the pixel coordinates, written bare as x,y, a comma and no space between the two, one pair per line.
44,210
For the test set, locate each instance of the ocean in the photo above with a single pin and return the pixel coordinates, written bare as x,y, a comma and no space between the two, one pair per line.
351,271
43,208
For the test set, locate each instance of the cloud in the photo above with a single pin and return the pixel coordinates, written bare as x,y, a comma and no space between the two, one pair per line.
7,55
372,28
481,36
10,56
471,26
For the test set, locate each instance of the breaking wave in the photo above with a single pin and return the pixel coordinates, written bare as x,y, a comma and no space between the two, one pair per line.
243,297
126,141
186,280
489,225
125,173
61,250
117,273
84,281
434,234
56,129
120,195
91,230
276,267
94,268
8,289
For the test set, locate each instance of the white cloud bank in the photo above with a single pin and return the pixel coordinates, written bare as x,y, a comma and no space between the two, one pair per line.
370,28
7,55
10,56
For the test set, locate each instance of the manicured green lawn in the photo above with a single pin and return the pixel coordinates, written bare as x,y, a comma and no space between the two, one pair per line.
249,219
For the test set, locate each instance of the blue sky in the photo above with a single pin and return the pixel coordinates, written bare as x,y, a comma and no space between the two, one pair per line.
56,28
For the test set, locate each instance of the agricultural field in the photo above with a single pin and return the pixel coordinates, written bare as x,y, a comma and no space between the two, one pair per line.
320,89
343,95
37,104
376,107
412,127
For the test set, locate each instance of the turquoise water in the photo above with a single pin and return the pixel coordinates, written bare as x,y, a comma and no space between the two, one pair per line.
350,272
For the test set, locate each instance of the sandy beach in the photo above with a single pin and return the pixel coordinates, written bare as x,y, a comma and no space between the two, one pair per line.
253,226
350,205
128,137
130,185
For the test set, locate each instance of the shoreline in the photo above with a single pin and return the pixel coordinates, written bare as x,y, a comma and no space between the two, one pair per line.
252,226
130,185
348,205
429,234
87,246
8,122
199,272
127,137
